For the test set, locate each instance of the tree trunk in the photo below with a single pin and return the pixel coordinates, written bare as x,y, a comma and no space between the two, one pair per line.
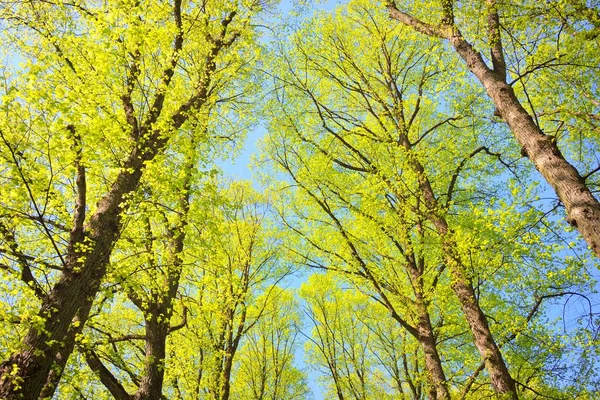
226,384
41,347
502,382
433,363
583,210
62,356
157,329
158,325
426,338
75,291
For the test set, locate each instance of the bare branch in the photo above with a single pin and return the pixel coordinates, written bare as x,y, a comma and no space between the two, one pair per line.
495,40
418,25
106,377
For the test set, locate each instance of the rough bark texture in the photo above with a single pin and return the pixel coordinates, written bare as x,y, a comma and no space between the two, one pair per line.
500,378
75,291
106,377
433,362
583,210
62,356
226,385
157,329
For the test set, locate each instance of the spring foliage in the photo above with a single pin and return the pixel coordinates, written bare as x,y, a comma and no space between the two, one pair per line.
433,260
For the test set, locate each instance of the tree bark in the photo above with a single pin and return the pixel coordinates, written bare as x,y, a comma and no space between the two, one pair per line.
62,356
583,209
75,291
109,381
500,378
158,325
226,384
433,362
157,329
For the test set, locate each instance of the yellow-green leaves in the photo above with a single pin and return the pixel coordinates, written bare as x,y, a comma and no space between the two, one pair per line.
394,173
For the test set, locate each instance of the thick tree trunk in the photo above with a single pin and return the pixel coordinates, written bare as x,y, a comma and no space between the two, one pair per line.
75,291
62,356
502,382
583,209
226,384
425,336
157,329
500,377
41,347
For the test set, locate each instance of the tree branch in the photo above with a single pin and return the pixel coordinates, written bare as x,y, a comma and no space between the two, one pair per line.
182,324
495,40
106,377
77,232
461,166
418,25
23,260
159,97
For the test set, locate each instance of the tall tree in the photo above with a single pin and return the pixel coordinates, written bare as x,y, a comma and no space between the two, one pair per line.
375,88
101,90
349,342
265,367
239,262
156,236
550,52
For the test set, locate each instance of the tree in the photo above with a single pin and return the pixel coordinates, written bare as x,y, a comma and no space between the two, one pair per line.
159,226
265,366
101,91
224,280
129,270
230,291
550,52
376,85
349,341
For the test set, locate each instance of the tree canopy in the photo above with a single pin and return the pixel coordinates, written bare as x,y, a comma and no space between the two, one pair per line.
423,221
